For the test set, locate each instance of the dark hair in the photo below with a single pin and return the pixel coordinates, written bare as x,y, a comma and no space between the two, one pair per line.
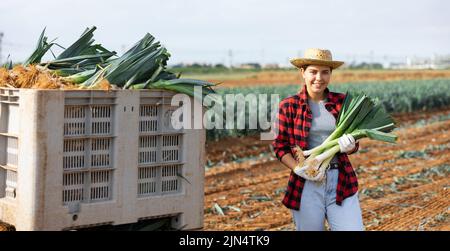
306,66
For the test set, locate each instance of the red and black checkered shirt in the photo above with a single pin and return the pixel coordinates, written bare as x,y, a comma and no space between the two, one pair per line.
294,123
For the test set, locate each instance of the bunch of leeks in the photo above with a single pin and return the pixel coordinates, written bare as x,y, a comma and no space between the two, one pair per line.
81,56
143,63
360,116
41,49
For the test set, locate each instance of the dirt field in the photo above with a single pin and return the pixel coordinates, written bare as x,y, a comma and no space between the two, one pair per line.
339,76
402,187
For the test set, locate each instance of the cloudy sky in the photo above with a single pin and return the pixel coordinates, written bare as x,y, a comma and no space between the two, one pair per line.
264,31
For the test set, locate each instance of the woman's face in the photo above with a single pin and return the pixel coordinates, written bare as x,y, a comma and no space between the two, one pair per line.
317,78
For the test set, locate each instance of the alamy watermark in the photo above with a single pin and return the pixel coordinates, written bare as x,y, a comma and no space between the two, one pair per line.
228,111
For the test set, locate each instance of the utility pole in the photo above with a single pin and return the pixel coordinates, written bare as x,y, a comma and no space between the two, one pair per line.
1,58
263,61
230,55
372,57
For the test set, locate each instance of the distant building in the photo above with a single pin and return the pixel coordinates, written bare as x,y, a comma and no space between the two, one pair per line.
436,63
271,66
441,62
250,66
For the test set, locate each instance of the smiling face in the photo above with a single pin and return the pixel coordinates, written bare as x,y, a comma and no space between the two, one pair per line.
317,78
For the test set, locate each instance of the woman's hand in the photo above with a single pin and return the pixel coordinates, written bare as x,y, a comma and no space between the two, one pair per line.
289,161
297,170
346,143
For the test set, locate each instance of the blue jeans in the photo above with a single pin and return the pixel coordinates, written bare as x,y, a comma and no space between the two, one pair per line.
318,203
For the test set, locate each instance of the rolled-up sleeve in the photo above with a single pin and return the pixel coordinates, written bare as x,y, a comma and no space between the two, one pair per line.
281,144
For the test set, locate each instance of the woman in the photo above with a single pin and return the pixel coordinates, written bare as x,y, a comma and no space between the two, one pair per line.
306,120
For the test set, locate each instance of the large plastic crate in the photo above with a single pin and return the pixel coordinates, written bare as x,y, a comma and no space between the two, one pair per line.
75,159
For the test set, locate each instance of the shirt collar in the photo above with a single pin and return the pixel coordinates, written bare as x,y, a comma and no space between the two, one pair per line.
303,95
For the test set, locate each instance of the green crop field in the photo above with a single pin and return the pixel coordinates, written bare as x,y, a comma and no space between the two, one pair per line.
395,96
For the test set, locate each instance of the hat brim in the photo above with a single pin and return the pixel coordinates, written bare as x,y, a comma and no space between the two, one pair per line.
300,62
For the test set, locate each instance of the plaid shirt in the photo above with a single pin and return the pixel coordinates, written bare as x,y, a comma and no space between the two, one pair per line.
294,123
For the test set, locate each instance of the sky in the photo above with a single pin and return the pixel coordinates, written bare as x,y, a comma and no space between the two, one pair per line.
237,31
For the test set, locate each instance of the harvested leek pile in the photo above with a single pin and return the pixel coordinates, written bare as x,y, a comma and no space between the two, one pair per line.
85,65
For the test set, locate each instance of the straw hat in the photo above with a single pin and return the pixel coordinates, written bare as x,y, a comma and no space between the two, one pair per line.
315,56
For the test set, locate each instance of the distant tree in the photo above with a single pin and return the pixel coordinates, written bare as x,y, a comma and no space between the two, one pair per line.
366,66
178,66
220,66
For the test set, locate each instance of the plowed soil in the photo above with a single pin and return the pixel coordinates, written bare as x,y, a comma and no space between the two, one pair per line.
403,186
